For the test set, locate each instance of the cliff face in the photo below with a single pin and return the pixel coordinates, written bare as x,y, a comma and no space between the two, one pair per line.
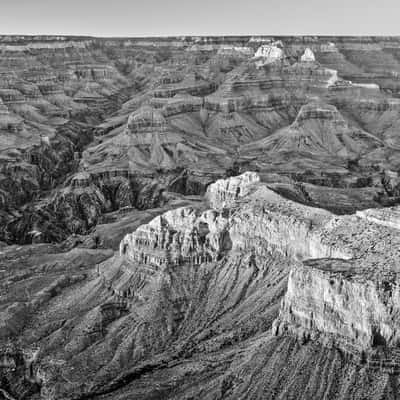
177,237
225,192
351,301
267,221
336,300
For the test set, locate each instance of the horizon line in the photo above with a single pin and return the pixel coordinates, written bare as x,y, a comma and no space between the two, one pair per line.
166,36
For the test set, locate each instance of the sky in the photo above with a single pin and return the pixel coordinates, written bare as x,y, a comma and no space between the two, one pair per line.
202,17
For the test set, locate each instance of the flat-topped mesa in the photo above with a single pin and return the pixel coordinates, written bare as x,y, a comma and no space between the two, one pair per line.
178,236
337,302
224,192
308,56
269,53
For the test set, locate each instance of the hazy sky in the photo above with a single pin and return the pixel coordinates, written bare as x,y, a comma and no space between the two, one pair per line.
200,17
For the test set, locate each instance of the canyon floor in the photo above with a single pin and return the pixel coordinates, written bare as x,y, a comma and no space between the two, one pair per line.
199,218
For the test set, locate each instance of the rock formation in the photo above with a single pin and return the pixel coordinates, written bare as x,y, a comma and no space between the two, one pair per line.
320,128
308,56
178,237
224,192
269,53
337,300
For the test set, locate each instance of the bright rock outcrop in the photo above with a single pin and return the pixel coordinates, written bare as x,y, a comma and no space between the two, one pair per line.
308,56
340,302
178,236
269,53
224,192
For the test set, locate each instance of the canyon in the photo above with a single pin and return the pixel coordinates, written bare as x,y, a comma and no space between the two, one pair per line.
199,218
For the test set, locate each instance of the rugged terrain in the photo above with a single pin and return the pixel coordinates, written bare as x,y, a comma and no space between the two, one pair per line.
199,218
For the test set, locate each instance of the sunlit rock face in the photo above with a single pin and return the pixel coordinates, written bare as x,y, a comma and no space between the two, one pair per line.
308,56
178,236
349,301
224,192
338,300
269,53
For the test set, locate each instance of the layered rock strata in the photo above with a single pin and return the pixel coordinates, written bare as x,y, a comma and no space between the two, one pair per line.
342,303
259,220
224,192
339,262
178,236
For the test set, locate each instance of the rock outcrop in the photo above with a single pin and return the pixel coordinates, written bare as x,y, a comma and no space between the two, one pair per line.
180,236
308,56
269,53
337,300
225,192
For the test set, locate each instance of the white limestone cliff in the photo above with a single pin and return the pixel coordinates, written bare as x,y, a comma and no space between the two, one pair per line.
224,192
337,299
269,53
308,56
178,236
